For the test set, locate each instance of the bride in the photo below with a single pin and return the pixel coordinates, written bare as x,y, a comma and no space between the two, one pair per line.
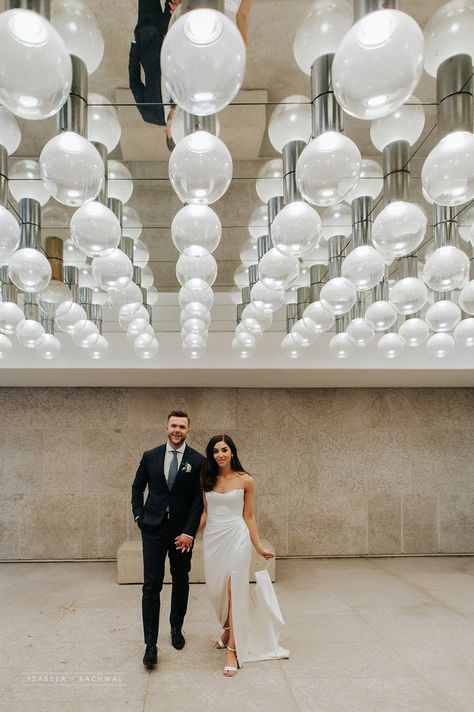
229,528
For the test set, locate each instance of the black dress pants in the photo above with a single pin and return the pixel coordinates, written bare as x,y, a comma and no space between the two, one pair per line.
156,546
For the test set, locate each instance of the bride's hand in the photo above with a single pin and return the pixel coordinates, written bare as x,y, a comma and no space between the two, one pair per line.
267,554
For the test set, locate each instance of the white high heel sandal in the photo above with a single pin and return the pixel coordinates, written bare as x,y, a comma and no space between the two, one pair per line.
219,644
231,670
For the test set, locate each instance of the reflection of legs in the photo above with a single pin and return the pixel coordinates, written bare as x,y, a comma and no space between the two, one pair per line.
231,657
149,13
154,554
180,566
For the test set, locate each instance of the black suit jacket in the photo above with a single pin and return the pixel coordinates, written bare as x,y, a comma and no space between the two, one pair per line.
185,499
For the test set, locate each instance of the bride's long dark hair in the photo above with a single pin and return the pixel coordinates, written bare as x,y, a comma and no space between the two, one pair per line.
210,469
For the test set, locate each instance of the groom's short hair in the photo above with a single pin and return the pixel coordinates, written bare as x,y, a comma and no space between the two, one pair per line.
179,414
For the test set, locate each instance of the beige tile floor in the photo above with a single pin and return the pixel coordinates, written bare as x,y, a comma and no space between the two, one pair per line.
365,635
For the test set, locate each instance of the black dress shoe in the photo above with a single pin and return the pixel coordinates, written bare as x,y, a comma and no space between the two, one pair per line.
177,638
151,656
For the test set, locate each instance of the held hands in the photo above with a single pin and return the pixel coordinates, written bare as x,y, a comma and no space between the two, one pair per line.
183,543
266,553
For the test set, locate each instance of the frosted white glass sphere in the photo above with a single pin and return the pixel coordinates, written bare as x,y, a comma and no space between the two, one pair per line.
290,348
446,269
321,31
29,332
9,235
256,320
443,316
5,346
147,277
290,121
103,125
408,295
361,332
269,182
196,230
127,301
138,325
266,299
71,254
241,276
464,332
278,271
203,61
10,134
196,273
145,337
204,296
370,181
337,220
414,332
80,31
258,223
200,168
99,349
245,338
50,299
114,272
391,345
11,317
303,333
25,181
95,230
342,345
193,324
144,350
48,347
131,223
29,270
364,267
249,252
447,175
152,296
69,316
36,71
71,169
193,352
378,64
241,350
240,330
440,345
197,310
398,229
296,229
449,32
194,341
120,183
320,316
236,295
404,124
338,296
86,334
126,317
466,298
328,168
141,254
380,315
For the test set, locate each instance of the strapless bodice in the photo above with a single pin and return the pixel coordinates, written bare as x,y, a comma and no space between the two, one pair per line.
224,505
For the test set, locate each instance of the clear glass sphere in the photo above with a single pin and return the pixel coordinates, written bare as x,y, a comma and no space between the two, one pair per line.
80,31
240,330
197,339
464,332
193,324
37,72
5,346
50,299
364,267
249,252
245,339
414,331
404,124
114,272
365,83
258,223
147,277
25,181
296,229
86,335
95,230
443,316
255,320
196,230
303,333
204,296
447,175
391,345
138,325
120,183
338,296
29,270
449,32
342,345
269,183
196,273
466,298
131,223
290,121
145,337
198,310
73,256
146,350
28,333
236,295
290,348
200,168
128,301
408,295
141,254
86,278
266,299
152,296
192,351
11,317
398,229
278,271
241,350
320,316
440,345
99,349
328,168
203,61
48,347
446,269
337,220
361,332
370,181
321,31
241,276
380,315
103,125
125,317
10,134
9,234
71,169
69,316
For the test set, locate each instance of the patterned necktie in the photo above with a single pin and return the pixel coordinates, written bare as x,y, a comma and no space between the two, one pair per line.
173,471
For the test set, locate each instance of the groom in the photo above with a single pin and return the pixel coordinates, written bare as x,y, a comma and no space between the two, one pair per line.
168,523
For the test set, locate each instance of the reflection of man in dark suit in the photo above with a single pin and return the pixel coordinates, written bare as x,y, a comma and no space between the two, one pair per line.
168,522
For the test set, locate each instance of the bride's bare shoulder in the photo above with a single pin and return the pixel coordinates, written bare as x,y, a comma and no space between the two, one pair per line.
246,477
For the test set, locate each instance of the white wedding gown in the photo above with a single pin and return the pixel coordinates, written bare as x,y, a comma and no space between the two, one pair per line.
227,553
